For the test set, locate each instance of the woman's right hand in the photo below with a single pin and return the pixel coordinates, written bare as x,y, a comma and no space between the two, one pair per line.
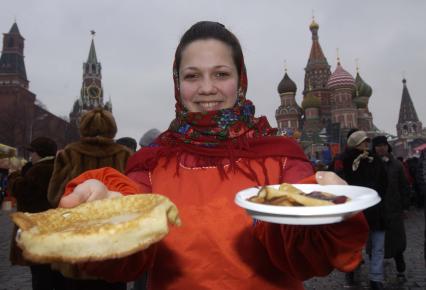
91,189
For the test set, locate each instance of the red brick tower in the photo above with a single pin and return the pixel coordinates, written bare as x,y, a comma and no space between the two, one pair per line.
16,101
91,93
288,114
317,72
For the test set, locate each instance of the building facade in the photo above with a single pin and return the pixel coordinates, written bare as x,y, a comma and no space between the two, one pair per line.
21,117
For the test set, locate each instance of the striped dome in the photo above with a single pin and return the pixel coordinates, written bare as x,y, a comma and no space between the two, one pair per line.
340,79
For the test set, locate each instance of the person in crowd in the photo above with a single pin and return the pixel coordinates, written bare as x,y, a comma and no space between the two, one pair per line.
214,148
29,186
95,149
413,165
336,164
363,169
129,142
149,137
421,178
397,201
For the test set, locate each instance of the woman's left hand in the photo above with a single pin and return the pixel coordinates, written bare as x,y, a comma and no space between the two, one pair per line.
329,178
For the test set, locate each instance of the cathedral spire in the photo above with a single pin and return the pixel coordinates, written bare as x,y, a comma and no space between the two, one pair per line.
407,112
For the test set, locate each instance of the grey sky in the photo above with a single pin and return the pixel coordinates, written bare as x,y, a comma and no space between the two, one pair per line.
135,42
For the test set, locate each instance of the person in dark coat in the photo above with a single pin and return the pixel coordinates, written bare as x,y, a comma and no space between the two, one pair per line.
30,189
421,179
396,202
363,169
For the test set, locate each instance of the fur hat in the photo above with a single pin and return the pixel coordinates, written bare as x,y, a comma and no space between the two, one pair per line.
357,138
98,122
43,146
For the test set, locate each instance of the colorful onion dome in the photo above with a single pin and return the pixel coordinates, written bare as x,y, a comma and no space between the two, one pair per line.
311,101
362,88
340,78
286,85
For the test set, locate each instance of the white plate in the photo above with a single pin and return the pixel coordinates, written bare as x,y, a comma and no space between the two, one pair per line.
360,199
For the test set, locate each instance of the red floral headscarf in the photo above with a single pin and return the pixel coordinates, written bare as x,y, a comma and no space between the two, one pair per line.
218,137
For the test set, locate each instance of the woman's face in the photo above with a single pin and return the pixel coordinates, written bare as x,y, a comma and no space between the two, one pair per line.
208,78
363,146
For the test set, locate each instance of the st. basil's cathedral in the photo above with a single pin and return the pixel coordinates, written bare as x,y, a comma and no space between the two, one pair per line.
334,103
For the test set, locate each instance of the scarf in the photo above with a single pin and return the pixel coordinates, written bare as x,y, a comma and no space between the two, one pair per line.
220,137
357,161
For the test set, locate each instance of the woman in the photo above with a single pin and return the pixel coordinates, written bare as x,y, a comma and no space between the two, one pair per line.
95,149
214,148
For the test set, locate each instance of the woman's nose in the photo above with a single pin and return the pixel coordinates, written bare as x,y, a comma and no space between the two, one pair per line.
207,86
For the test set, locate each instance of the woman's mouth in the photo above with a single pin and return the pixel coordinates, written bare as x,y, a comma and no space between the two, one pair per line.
209,106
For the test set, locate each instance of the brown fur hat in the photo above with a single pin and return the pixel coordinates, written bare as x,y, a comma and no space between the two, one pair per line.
98,122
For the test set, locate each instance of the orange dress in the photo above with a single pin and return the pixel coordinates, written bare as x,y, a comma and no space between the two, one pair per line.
218,245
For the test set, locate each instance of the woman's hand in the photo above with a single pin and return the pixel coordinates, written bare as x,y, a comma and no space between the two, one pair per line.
89,190
329,178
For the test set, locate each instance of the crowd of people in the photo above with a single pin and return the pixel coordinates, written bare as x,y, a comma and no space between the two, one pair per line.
214,147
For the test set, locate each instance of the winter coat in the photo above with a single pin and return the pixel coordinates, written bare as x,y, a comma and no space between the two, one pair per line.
370,173
30,191
88,153
421,172
421,179
397,199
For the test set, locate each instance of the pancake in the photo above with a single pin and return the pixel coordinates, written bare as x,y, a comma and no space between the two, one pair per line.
95,231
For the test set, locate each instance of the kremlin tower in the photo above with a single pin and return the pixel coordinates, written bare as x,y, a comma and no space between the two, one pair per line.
91,93
408,126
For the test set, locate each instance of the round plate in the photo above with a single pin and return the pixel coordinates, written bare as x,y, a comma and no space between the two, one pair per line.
360,199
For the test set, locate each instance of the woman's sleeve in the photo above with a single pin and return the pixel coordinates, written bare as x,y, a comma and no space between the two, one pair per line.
307,251
123,269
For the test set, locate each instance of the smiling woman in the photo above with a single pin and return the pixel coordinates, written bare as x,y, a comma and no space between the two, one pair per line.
214,148
208,78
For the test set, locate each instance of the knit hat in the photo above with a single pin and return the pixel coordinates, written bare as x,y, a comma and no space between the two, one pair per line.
98,122
381,140
149,137
43,146
357,138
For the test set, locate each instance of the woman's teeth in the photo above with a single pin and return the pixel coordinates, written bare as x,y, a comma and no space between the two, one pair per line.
208,105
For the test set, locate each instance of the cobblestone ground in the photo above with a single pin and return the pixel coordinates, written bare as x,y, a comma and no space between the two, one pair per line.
19,278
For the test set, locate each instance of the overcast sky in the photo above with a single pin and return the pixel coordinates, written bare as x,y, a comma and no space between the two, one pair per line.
135,43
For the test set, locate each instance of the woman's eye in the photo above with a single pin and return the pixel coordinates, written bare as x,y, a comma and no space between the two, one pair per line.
222,74
190,76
